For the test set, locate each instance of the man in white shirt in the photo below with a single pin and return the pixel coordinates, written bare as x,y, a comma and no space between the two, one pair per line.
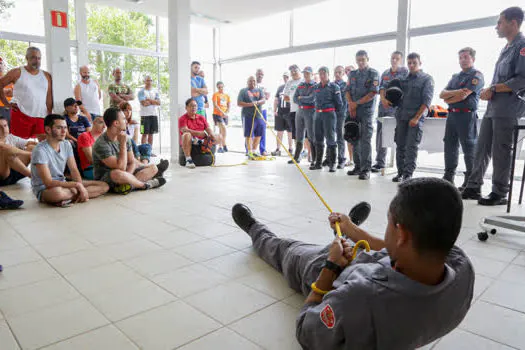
88,91
15,155
289,91
149,113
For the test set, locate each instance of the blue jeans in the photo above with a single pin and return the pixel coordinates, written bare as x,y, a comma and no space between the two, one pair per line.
143,151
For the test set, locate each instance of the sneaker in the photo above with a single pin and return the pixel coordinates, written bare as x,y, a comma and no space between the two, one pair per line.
225,148
341,166
493,199
162,167
376,168
364,175
122,189
471,193
352,172
265,153
304,154
64,204
220,150
276,153
407,177
397,178
155,183
7,202
190,164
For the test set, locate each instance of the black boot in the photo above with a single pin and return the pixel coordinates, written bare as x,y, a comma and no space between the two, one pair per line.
313,149
243,217
331,153
471,193
319,153
465,182
298,150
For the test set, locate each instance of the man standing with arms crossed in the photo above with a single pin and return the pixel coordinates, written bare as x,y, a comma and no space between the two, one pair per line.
503,112
88,91
281,110
32,96
259,75
118,91
149,113
396,71
198,88
289,91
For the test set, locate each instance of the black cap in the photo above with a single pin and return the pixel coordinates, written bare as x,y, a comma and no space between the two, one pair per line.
71,101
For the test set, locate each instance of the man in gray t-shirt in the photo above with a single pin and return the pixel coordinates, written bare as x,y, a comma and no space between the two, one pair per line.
48,163
414,286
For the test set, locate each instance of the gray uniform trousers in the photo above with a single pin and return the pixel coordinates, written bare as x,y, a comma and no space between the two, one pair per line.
380,150
494,140
339,133
363,146
461,128
304,120
299,262
407,140
325,123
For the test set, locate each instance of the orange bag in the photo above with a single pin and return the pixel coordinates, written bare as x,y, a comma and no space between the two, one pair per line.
437,111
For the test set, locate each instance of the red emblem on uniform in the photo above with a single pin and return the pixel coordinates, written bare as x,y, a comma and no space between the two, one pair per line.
522,52
328,317
475,81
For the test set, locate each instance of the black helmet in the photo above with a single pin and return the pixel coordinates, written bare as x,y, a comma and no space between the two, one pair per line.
351,131
394,95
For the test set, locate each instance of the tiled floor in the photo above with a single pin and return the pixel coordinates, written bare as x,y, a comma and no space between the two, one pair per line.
168,269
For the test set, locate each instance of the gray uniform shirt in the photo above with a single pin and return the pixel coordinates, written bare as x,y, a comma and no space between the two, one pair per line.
510,70
360,84
375,307
386,78
418,89
56,162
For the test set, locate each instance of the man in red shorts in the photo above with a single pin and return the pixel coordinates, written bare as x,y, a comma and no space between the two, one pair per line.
32,96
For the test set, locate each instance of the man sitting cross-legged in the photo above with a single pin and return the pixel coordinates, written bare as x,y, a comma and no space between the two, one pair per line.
114,162
15,155
49,160
414,287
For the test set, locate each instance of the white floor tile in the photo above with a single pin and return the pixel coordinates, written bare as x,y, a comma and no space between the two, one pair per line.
53,324
203,250
167,327
270,282
19,256
481,284
296,301
487,267
7,340
507,294
129,299
236,265
221,339
514,273
246,301
174,238
157,263
72,245
278,320
107,337
459,340
237,240
131,249
488,250
82,260
19,275
520,260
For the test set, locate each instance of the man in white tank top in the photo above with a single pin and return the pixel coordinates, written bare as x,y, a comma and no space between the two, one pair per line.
88,91
32,96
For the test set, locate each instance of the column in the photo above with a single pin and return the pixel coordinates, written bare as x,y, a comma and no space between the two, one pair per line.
58,51
179,66
215,58
82,37
403,25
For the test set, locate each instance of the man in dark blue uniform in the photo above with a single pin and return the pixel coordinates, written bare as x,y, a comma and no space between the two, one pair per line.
304,118
396,71
418,89
462,97
327,102
504,109
338,75
361,92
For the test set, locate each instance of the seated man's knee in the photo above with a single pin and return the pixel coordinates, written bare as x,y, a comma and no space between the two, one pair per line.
116,174
186,137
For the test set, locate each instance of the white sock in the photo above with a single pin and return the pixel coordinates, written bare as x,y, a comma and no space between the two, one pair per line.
188,158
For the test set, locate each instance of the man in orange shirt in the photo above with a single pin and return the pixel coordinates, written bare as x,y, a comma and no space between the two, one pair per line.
8,92
221,108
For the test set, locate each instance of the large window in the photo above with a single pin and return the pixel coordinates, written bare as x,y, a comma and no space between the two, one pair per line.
24,17
378,52
343,19
262,34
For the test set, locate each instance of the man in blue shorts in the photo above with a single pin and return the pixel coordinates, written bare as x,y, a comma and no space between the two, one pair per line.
254,126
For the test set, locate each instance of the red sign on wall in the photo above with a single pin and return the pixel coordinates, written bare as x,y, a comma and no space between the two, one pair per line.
59,19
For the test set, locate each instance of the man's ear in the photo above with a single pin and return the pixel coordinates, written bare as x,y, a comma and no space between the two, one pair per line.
403,235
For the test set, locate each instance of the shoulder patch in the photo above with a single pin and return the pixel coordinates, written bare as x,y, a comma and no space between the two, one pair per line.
328,317
475,81
522,52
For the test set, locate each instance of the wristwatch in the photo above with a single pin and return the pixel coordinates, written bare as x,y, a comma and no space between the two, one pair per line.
493,89
333,267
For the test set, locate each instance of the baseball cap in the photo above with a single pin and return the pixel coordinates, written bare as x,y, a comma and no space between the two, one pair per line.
286,74
71,101
324,69
308,69
293,66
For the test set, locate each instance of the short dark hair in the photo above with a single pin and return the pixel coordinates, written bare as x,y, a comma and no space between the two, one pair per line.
195,62
414,55
514,13
361,53
2,117
468,50
397,53
188,101
32,48
50,119
111,115
432,210
219,83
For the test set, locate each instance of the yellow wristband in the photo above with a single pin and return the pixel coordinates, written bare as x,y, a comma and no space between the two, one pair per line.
317,290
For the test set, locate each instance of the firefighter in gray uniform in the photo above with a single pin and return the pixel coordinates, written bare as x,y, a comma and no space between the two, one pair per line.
304,118
327,103
396,71
418,89
361,92
504,109
462,97
338,76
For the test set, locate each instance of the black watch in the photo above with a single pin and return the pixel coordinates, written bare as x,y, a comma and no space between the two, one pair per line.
333,267
493,89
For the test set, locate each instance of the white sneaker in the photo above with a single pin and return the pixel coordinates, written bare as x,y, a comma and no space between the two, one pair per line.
190,164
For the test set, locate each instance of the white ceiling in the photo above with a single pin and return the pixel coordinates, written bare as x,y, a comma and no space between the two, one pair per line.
224,10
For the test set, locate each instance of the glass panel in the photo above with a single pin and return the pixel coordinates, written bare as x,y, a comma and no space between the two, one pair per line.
350,19
74,66
13,53
113,26
379,54
164,34
447,11
441,66
24,17
72,20
261,34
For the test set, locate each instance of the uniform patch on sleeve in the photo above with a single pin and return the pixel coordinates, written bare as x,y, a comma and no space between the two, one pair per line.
328,317
475,81
522,52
